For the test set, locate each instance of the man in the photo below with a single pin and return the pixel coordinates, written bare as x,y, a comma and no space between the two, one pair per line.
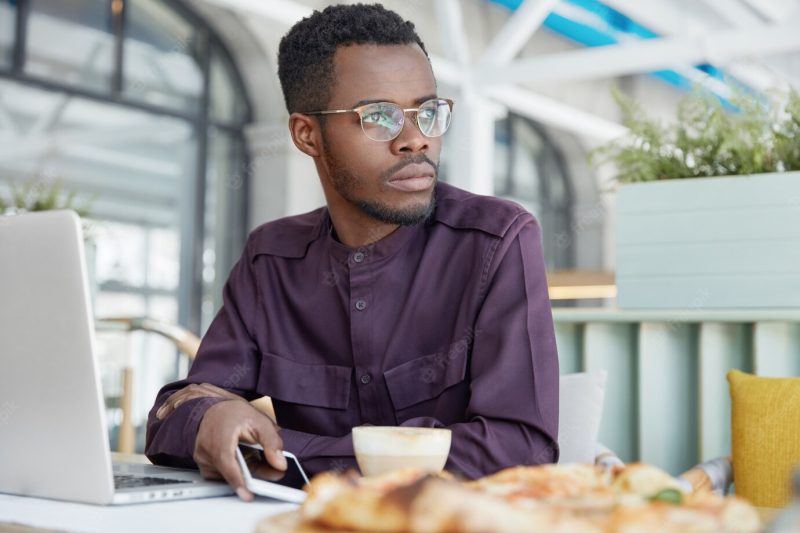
405,301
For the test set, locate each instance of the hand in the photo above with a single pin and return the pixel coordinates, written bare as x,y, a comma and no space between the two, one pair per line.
225,424
190,392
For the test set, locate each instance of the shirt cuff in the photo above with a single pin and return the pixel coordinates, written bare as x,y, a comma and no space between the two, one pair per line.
170,441
294,441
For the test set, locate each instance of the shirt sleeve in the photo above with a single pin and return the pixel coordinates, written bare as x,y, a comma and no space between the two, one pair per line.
228,358
512,416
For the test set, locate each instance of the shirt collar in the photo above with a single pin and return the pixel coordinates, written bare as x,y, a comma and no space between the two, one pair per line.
384,248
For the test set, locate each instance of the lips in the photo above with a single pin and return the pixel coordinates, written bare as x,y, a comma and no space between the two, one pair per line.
413,178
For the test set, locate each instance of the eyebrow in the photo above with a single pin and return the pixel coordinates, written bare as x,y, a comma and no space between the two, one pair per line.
418,101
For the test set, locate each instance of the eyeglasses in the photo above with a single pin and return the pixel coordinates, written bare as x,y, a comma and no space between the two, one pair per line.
383,121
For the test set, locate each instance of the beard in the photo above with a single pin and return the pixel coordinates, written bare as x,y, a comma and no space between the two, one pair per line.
347,183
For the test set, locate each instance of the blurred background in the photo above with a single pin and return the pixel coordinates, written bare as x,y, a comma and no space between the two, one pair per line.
166,118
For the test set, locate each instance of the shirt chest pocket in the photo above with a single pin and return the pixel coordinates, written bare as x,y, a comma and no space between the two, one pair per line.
287,381
431,385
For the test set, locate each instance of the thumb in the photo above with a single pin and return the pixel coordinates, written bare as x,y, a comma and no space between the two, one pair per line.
275,458
267,436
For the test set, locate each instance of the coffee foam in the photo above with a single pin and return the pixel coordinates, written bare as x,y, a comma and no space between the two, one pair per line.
397,441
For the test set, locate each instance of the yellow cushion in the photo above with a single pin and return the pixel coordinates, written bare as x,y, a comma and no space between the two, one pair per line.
765,428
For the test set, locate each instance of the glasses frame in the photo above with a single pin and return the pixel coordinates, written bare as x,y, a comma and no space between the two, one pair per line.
405,110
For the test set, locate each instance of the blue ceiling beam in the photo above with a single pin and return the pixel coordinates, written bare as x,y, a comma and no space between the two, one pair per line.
609,26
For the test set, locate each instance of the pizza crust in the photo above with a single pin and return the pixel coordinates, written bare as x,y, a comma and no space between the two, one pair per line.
550,498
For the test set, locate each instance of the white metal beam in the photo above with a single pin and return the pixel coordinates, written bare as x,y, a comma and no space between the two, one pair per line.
470,145
447,71
736,13
645,56
556,114
774,10
517,31
521,101
664,18
454,39
284,11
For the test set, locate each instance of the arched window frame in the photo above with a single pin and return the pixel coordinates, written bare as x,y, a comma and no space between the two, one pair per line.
193,231
554,214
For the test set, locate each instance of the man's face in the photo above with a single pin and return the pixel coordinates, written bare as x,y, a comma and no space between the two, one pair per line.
391,181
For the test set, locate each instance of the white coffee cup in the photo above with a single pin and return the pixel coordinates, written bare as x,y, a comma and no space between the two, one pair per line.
381,449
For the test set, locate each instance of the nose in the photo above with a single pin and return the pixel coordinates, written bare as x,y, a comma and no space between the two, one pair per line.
410,139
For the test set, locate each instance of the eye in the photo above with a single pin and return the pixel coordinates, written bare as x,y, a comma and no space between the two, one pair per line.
383,116
427,113
374,117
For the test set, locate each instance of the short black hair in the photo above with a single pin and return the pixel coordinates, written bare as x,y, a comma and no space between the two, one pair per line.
305,55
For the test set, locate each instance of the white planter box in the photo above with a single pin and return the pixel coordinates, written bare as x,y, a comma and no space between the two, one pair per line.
731,242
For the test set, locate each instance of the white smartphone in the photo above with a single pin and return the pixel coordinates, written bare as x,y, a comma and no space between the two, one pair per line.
286,489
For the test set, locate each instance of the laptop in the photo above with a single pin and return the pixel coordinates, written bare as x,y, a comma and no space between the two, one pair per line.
53,433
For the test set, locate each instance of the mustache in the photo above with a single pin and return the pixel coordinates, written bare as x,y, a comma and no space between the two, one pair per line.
413,160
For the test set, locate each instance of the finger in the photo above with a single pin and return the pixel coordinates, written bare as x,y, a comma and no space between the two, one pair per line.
175,397
276,459
213,390
258,466
265,471
172,404
168,406
209,472
227,465
244,494
267,436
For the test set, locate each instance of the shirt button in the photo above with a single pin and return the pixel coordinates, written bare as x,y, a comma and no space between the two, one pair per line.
361,305
366,379
358,257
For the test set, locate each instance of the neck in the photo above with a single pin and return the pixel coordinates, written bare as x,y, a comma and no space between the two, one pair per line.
356,229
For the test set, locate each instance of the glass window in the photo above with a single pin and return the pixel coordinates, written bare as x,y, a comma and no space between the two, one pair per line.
161,57
136,166
529,170
163,266
226,175
227,104
71,41
525,151
120,255
8,16
139,168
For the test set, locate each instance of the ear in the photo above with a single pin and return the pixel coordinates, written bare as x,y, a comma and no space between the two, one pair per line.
305,134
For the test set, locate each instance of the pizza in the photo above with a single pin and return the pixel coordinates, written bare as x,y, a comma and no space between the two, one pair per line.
550,498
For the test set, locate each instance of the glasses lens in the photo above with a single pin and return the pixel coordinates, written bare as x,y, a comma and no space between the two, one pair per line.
382,121
434,117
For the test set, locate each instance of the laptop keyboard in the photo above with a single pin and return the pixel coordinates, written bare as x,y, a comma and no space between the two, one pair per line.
127,481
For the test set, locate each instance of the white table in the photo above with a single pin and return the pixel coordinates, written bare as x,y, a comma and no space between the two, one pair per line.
211,515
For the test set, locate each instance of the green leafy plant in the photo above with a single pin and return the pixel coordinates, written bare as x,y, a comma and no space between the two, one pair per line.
706,139
46,195
40,195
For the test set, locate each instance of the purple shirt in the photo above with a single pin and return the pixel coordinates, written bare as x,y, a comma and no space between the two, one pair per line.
446,324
